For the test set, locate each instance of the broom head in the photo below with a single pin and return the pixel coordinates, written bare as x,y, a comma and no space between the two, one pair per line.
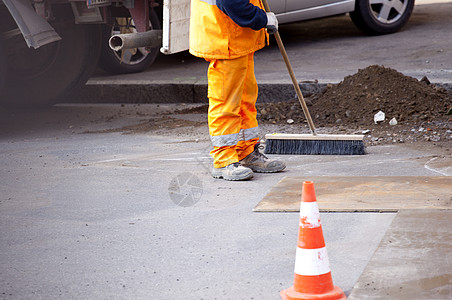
319,144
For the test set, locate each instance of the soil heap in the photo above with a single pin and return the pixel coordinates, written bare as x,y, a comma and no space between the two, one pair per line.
354,101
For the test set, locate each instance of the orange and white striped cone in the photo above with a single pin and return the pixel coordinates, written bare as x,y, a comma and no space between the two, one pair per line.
313,278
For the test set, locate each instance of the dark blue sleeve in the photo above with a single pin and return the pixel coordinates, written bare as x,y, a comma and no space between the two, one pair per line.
243,13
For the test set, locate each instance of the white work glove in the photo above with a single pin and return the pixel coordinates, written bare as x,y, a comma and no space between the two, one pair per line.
272,23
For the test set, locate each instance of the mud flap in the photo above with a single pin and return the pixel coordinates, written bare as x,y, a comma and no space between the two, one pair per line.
36,31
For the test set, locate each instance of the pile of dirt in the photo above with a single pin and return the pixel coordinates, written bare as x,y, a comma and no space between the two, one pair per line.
353,103
359,97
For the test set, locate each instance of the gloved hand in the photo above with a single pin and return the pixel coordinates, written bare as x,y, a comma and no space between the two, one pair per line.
272,23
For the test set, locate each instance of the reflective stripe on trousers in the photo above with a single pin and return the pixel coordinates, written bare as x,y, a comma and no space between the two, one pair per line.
234,138
232,92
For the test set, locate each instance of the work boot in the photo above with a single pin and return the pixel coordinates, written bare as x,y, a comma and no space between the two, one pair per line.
233,172
260,163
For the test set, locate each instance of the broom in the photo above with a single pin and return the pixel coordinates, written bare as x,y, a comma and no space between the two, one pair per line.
310,144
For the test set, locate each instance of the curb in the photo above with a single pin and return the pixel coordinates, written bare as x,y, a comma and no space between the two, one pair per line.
131,93
179,92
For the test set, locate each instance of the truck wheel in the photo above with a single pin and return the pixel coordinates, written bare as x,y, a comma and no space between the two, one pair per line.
127,60
49,74
377,17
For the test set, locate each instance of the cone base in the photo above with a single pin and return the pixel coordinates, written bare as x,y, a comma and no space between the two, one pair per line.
291,294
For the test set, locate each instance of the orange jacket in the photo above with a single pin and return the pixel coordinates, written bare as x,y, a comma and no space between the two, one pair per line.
213,35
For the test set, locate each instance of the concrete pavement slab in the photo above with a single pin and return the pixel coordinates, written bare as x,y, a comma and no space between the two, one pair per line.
413,261
362,194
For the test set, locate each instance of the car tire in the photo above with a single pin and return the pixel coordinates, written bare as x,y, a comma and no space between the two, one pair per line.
136,60
376,17
53,72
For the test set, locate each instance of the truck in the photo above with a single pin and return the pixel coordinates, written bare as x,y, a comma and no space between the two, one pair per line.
50,48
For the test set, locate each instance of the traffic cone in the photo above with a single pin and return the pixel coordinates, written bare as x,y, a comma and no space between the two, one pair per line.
312,269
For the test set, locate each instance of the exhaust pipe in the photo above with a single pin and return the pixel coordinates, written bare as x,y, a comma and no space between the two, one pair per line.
151,39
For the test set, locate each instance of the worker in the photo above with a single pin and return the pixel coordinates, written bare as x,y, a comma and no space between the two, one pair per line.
226,33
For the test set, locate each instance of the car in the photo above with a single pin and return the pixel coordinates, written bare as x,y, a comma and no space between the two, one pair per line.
374,17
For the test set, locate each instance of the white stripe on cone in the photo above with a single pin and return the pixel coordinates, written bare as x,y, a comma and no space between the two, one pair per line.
312,262
309,214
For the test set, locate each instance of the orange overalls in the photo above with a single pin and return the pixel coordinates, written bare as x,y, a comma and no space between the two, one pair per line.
232,86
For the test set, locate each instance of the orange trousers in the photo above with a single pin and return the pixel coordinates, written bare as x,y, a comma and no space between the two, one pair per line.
232,93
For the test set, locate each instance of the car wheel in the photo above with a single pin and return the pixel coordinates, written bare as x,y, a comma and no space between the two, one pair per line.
126,60
381,16
47,75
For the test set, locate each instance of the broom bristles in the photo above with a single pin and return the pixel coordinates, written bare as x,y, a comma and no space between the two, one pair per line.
350,145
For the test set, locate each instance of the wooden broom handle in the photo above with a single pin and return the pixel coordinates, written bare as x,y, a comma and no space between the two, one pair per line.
292,75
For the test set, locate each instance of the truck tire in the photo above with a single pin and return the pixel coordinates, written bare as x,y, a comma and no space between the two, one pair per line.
49,74
137,60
